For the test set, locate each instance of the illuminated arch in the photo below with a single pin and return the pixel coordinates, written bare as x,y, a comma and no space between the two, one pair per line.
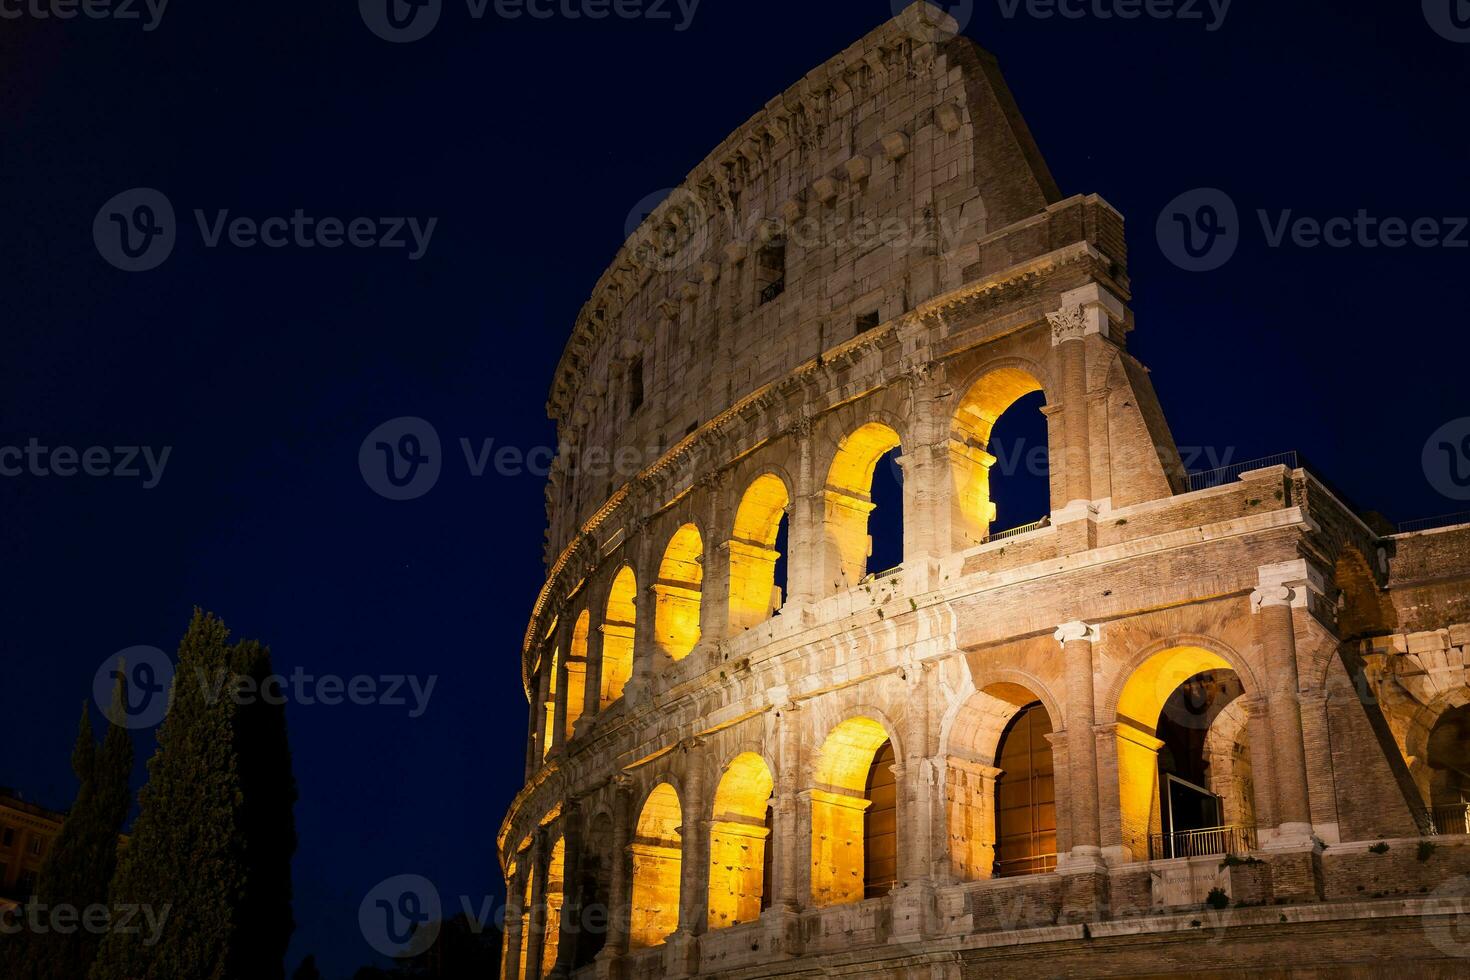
987,799
1148,687
848,502
839,803
549,739
555,898
678,593
970,460
753,594
657,851
618,628
738,842
577,671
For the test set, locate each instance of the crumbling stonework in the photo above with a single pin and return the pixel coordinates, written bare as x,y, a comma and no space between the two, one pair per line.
699,775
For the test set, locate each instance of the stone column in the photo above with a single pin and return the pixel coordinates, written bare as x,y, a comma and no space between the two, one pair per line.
805,571
515,888
547,737
571,906
1276,635
562,695
1068,332
1077,641
619,887
682,948
533,738
714,603
540,859
782,920
1263,769
592,690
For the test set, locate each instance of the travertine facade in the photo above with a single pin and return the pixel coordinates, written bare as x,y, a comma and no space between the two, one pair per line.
730,776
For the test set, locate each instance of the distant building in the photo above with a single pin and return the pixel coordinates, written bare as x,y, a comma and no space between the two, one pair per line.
27,832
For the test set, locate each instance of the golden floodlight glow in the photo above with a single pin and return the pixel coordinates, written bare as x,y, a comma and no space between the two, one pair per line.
985,402
838,803
657,851
1139,707
577,671
555,898
677,593
738,842
848,500
550,726
617,635
753,556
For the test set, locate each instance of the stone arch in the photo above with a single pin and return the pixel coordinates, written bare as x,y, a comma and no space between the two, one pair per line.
739,833
619,626
577,669
549,734
1227,749
974,737
847,502
678,593
754,597
839,801
1363,608
555,900
594,885
1418,734
657,854
1136,701
985,395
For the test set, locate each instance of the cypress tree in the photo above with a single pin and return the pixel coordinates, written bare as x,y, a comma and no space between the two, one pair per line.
186,860
78,870
266,820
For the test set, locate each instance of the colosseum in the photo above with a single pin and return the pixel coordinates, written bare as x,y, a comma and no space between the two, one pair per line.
1184,724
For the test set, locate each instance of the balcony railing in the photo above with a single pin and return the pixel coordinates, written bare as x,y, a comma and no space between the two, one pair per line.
1209,842
1036,864
1431,523
1452,818
1016,532
1229,474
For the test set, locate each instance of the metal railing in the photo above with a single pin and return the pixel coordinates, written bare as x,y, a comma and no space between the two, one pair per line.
1229,474
1452,818
1209,842
1016,532
1036,864
1430,523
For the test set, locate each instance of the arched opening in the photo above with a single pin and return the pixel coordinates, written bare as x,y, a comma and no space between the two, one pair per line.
657,852
738,838
555,896
677,593
999,431
527,898
548,741
999,785
618,629
506,949
880,826
754,595
1172,798
840,802
849,505
593,887
1025,796
1449,771
577,671
1363,609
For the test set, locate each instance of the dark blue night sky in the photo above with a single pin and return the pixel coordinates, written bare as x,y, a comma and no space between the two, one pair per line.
530,141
